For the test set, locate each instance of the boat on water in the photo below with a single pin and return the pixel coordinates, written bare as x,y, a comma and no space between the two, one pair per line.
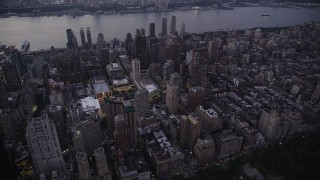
25,46
265,15
197,8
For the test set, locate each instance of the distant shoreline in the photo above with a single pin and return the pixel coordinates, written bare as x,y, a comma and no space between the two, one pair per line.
80,10
190,33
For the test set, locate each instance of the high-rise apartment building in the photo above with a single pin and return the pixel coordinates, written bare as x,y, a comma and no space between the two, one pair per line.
89,37
140,46
143,32
141,102
89,133
135,69
102,165
44,146
209,119
198,65
164,27
129,44
167,69
204,150
215,49
83,37
153,45
174,53
173,25
101,43
70,38
130,117
122,133
152,30
83,166
172,92
271,125
10,73
113,107
195,97
183,29
190,129
228,143
55,113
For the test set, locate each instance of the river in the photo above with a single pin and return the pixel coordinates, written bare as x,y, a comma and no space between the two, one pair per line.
44,32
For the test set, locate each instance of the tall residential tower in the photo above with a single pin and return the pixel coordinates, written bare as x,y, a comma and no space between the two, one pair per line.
43,142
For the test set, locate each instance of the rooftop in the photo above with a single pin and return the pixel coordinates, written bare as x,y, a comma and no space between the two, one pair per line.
99,79
89,104
148,84
161,139
120,81
54,108
101,88
81,156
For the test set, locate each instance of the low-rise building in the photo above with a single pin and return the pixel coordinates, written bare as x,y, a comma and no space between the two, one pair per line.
100,88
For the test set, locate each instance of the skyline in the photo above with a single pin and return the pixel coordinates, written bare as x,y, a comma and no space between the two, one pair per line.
53,28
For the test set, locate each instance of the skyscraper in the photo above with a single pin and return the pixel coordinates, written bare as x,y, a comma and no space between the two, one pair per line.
164,27
152,45
113,107
70,38
167,69
102,165
172,93
198,65
129,44
105,56
91,136
174,53
83,166
173,25
129,115
83,38
72,41
89,37
43,142
153,50
143,32
135,69
152,30
183,28
10,73
122,133
55,113
190,129
141,102
215,48
163,53
140,45
75,44
195,97
101,43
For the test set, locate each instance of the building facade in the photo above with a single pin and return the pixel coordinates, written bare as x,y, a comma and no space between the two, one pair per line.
44,146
